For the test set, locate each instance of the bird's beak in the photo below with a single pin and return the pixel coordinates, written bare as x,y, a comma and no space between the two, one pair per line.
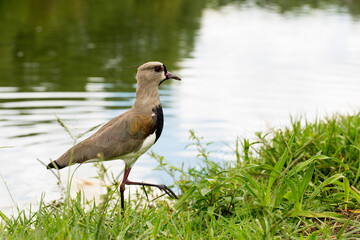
169,75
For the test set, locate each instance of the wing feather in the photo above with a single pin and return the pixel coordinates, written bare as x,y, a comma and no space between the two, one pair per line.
120,136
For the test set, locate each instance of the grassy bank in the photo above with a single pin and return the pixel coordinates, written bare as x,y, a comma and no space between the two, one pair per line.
295,183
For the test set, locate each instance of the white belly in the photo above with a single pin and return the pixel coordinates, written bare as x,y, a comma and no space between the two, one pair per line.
131,158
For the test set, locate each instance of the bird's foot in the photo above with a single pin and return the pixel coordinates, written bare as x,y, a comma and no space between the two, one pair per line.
162,187
167,190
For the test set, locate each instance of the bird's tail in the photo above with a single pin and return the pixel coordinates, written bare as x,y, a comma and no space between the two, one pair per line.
54,164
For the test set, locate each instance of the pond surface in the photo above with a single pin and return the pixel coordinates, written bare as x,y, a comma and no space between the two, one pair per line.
245,67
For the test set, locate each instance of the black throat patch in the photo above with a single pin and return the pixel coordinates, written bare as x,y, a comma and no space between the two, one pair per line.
165,71
159,121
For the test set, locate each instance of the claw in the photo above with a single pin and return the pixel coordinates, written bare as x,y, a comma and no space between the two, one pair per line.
168,191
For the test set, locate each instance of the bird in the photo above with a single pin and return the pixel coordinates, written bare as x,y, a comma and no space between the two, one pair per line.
129,135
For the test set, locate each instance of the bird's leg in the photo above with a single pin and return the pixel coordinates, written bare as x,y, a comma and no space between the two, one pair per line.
122,187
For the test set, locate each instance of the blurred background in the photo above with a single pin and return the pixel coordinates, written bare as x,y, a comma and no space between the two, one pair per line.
246,65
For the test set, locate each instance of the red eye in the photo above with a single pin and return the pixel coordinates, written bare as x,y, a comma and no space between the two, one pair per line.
158,69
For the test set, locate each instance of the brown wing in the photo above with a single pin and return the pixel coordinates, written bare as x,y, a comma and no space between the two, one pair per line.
122,135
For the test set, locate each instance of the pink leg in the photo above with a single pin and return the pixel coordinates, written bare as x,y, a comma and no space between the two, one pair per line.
122,186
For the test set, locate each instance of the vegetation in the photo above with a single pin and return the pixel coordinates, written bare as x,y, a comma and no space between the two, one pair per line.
295,183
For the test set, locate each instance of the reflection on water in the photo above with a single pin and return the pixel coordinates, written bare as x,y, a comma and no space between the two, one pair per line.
58,46
246,66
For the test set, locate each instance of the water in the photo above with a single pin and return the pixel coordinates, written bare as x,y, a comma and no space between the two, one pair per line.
245,67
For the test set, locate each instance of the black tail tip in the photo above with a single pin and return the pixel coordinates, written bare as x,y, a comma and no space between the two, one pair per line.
54,165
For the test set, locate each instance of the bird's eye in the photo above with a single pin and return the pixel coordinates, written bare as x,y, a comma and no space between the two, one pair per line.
158,69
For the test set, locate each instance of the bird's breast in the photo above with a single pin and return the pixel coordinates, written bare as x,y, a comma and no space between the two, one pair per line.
148,142
159,121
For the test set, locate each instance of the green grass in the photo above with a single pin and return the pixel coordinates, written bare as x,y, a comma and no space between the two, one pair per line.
295,183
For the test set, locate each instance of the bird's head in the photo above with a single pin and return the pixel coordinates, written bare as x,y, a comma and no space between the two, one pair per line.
154,73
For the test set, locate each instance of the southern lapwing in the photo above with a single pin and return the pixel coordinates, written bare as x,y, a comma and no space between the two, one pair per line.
130,134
